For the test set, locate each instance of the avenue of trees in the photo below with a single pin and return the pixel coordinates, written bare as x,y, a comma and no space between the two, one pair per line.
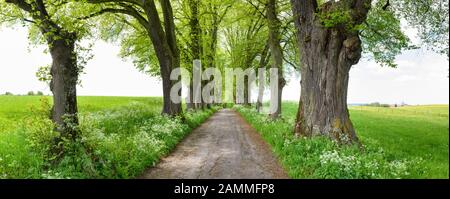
321,40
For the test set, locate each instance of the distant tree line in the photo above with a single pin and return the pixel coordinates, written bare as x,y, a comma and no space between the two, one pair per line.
29,93
378,104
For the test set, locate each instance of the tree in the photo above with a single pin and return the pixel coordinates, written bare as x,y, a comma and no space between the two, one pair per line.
200,40
191,43
196,44
331,38
263,61
246,37
215,13
51,22
278,15
276,50
161,33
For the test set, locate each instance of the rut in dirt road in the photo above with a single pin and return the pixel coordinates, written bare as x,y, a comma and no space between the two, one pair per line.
225,146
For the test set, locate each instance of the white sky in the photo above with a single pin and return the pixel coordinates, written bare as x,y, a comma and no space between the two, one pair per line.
421,76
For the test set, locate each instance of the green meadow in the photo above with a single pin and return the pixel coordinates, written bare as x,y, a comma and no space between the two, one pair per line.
14,109
411,131
404,142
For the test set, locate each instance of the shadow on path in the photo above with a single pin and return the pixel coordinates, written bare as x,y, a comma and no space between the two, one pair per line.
225,146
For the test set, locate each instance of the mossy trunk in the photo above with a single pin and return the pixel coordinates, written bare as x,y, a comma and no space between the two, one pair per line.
195,44
64,72
327,54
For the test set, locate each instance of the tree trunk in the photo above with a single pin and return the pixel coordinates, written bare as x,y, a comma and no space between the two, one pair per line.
170,108
64,73
212,34
190,99
165,45
261,77
327,54
281,84
247,92
276,51
259,102
195,37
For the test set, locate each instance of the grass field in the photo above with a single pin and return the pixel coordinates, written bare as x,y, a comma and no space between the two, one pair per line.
413,142
13,109
120,137
415,131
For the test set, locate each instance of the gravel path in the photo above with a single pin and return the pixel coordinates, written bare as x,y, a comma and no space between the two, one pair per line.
225,146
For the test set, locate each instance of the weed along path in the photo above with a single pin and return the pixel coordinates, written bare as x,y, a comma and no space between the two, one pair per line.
225,146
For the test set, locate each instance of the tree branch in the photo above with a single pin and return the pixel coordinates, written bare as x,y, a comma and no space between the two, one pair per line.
257,8
28,20
290,63
130,12
135,2
169,25
386,6
21,4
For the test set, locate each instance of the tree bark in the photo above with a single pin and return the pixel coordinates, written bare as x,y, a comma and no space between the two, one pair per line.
327,54
165,44
169,107
246,92
276,51
261,77
190,99
64,72
196,42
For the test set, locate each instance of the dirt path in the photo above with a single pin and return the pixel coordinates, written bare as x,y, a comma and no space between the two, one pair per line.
225,146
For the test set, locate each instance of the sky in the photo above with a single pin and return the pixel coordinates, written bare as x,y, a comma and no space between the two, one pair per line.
421,76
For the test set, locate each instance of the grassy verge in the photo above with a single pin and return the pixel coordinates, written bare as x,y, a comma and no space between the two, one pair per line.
389,152
120,138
